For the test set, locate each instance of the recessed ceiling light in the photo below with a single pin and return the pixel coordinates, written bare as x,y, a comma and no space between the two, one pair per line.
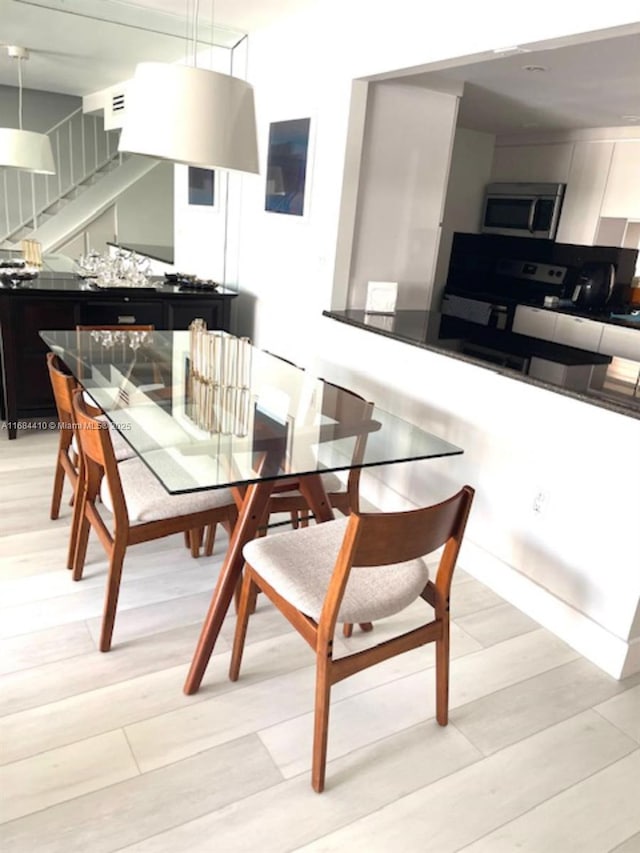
534,68
501,51
631,118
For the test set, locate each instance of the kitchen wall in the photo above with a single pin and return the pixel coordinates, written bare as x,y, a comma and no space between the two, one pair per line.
468,177
403,177
305,67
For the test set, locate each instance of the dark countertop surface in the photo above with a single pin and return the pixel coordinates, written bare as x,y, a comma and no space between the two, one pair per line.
508,353
157,253
63,283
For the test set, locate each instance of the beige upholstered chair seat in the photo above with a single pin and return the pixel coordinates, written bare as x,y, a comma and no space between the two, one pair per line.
147,500
121,449
372,593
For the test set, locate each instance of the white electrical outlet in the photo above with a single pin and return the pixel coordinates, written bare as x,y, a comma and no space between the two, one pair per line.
540,502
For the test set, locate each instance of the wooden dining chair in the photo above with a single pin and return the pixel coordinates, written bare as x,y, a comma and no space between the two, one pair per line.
362,568
343,406
63,384
141,509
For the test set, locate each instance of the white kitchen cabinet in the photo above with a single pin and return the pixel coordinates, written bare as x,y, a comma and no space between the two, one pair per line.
532,163
578,332
585,190
535,322
622,194
620,341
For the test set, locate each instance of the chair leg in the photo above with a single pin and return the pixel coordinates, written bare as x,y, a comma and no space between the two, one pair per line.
111,596
321,722
195,538
211,538
442,673
82,539
76,521
347,629
187,539
58,482
245,608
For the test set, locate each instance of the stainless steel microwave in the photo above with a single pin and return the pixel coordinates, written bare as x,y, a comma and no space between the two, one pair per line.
523,210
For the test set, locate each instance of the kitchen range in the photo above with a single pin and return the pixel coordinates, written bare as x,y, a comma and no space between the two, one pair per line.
554,314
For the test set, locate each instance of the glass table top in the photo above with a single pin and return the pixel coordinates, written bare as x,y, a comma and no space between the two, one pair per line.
206,409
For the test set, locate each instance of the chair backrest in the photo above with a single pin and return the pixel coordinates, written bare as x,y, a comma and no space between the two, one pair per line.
119,328
98,458
379,539
95,351
63,385
343,405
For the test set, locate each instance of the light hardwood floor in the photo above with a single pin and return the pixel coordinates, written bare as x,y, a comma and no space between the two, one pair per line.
103,752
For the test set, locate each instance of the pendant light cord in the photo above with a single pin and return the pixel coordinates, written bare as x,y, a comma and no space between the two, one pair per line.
20,93
196,12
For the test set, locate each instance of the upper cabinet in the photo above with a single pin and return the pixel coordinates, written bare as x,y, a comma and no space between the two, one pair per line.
601,171
586,185
532,163
622,193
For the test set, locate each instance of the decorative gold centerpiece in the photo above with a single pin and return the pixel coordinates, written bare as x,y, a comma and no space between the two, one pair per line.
218,394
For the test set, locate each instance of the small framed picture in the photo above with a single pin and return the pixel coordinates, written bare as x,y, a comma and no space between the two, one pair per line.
287,160
381,297
201,186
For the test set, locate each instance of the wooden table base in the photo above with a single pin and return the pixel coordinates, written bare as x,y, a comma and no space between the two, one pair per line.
252,508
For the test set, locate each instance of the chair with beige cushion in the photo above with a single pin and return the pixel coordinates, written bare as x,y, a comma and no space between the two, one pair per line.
358,569
141,508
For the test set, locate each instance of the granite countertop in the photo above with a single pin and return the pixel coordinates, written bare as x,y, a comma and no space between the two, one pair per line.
65,283
499,350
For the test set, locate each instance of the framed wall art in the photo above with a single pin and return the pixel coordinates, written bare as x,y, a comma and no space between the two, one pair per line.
201,186
287,160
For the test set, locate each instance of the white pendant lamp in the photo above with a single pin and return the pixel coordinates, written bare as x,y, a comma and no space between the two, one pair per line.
191,115
24,149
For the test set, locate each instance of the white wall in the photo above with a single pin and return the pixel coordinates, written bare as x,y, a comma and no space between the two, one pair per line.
305,67
145,211
40,110
199,229
101,231
403,178
574,566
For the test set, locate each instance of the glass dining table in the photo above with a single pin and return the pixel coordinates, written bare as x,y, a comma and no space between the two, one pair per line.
207,410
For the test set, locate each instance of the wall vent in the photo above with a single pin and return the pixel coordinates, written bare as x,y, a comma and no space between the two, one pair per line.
117,102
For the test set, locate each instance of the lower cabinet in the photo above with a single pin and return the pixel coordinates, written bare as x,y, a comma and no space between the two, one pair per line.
25,387
126,312
578,332
620,342
534,322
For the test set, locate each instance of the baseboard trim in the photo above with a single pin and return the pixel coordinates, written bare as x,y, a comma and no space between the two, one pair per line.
610,653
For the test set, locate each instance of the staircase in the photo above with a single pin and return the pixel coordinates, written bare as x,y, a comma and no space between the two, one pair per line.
90,175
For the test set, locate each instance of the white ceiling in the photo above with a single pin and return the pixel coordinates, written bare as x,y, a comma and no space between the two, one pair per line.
81,46
593,84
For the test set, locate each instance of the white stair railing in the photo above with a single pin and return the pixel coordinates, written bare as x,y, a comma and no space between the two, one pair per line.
81,147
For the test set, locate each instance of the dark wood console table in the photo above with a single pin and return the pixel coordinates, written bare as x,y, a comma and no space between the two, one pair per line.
58,302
